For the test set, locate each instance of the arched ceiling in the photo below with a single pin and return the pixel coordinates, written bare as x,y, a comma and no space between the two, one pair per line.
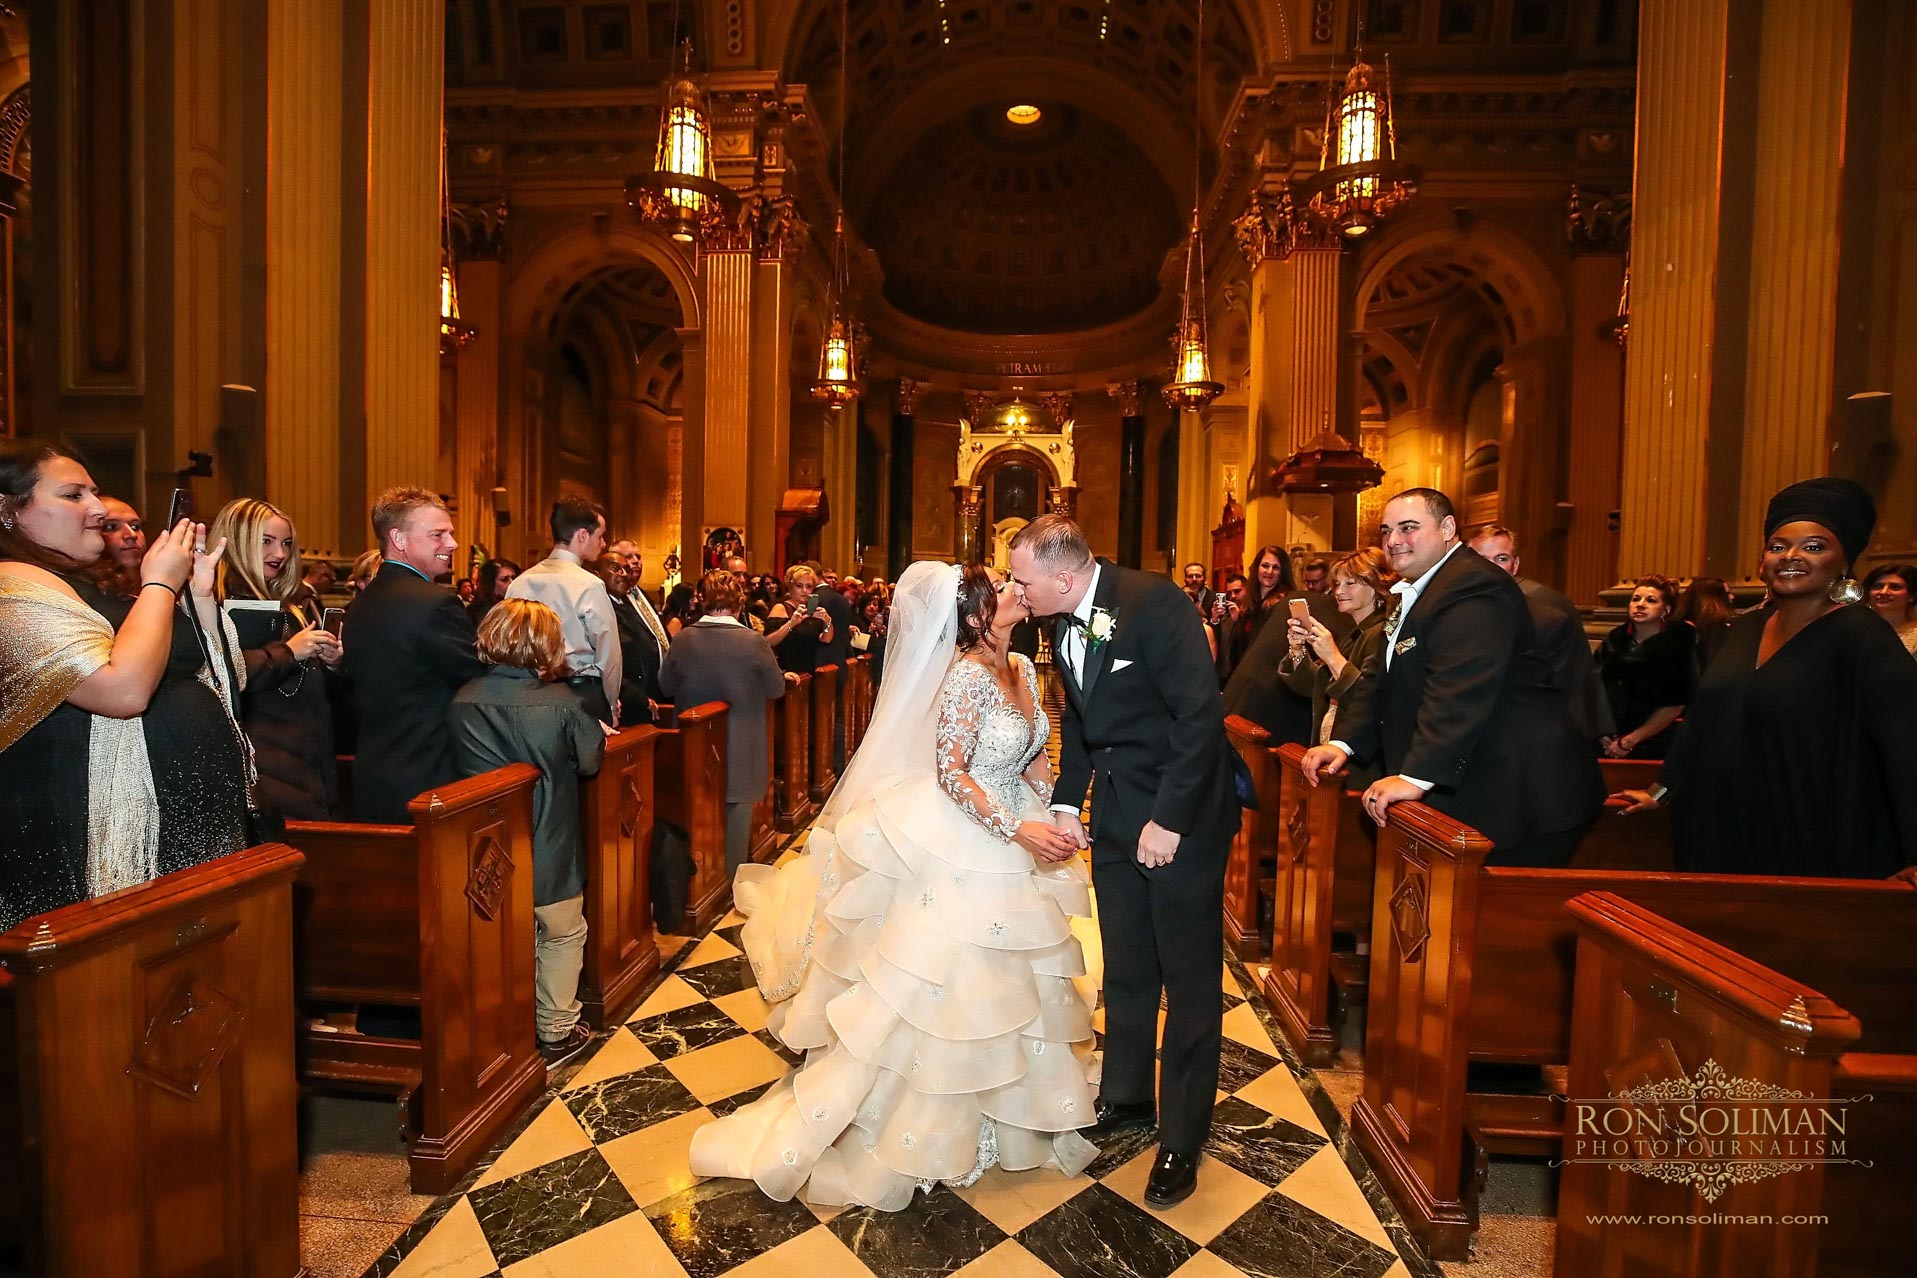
997,228
988,227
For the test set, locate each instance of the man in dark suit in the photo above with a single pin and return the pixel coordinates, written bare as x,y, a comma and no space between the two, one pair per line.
1196,590
1461,711
639,648
1560,634
833,603
409,646
1143,722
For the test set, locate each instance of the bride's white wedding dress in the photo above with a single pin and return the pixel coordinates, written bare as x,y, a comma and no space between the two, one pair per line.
926,966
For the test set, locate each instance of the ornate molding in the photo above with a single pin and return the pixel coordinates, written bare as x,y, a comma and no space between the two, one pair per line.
1130,397
783,233
1059,404
1273,228
479,230
978,404
906,402
1596,222
15,115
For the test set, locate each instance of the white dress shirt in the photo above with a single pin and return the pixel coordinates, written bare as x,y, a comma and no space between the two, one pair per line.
1407,593
1071,649
586,619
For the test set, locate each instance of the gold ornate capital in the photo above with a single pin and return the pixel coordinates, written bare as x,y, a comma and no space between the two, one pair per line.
1059,405
907,401
782,231
978,404
1597,222
479,230
1272,228
1131,400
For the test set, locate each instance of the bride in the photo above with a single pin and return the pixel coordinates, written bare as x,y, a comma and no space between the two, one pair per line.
919,951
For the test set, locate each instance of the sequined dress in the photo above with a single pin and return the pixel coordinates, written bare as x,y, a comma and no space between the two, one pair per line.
943,1009
198,778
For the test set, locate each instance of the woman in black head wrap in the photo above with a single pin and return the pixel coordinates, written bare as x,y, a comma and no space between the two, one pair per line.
1798,755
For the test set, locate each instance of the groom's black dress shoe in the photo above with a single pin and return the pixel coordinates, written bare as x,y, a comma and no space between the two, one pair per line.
1173,1178
1113,1119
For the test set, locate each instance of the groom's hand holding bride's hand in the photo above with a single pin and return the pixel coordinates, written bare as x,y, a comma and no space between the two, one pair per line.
1045,841
1156,845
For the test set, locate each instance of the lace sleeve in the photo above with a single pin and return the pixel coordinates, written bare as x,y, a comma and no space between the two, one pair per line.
1038,772
963,700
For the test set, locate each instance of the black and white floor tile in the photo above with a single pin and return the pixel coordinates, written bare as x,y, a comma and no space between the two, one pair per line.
596,1181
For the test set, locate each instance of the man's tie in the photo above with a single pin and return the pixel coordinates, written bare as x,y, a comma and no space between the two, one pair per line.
1400,592
643,606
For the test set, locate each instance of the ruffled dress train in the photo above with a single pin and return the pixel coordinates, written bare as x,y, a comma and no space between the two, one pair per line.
933,981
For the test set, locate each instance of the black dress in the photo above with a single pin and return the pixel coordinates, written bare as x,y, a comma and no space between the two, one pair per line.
1643,678
198,778
1806,765
800,651
289,716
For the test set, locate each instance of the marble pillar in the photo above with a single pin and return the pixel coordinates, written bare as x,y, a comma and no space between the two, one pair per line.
1131,490
771,398
898,524
1803,62
1596,390
1198,505
1531,453
405,52
304,69
476,406
1292,394
716,460
840,478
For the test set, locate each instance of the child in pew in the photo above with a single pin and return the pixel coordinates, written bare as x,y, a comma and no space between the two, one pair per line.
521,711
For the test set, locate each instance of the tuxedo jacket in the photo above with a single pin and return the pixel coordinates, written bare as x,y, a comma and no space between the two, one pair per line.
1147,733
1568,653
639,669
410,646
1469,704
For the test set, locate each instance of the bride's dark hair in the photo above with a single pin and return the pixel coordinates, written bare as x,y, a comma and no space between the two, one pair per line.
977,602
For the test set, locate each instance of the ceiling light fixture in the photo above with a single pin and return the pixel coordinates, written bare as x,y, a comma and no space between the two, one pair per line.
681,192
1191,387
1360,178
1022,114
838,382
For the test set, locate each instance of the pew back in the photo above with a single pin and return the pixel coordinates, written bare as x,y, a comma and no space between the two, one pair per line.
616,811
1244,863
151,1108
792,757
459,880
825,718
691,789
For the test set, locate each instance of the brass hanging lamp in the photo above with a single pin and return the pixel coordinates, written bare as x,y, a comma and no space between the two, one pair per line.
1360,178
1191,387
454,333
681,194
838,383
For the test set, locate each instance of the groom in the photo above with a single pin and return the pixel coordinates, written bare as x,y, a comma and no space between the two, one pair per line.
1144,721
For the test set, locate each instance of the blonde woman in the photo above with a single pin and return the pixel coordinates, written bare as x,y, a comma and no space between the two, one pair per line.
1361,587
796,627
286,711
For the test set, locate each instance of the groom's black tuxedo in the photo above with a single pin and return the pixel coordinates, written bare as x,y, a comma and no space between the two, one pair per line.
1146,735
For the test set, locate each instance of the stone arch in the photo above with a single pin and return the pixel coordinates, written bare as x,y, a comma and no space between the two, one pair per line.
1508,270
557,263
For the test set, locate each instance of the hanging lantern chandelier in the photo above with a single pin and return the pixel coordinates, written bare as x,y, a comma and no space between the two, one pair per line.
1360,178
680,193
838,382
454,333
1191,387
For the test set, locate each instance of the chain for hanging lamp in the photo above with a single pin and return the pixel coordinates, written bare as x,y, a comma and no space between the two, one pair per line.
1191,386
838,383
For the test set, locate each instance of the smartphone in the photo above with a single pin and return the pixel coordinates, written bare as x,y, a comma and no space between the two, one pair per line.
1300,608
179,508
333,620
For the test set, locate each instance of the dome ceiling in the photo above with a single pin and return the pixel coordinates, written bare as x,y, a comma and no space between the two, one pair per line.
993,227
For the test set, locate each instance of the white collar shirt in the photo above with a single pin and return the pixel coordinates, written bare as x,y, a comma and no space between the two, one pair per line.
1073,643
587,621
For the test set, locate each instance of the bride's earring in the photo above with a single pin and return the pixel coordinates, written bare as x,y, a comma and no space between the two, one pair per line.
1845,590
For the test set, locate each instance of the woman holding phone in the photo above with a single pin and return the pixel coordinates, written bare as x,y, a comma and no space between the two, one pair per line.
289,657
795,629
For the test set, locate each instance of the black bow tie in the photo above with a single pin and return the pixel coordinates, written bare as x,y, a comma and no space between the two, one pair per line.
1073,619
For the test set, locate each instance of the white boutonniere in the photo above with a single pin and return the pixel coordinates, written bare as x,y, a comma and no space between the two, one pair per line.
1099,628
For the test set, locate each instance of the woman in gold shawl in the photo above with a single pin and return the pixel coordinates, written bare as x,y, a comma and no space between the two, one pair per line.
118,758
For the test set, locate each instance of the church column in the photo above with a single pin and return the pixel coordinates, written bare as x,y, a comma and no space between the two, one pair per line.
405,44
305,50
1198,506
1599,234
1529,452
898,530
772,371
839,476
716,456
1297,331
1803,63
478,243
1131,473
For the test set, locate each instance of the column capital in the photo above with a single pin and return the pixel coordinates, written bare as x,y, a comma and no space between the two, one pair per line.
479,230
1131,402
1272,228
782,232
1597,221
978,404
906,401
1059,404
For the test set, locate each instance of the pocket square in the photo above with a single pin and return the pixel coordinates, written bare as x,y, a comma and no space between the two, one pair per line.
1119,664
1405,645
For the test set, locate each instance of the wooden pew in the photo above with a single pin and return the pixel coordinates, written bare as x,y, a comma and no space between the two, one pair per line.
1244,863
148,1106
792,804
436,915
1326,858
1472,965
1655,1002
825,710
858,687
616,811
765,813
1327,854
691,789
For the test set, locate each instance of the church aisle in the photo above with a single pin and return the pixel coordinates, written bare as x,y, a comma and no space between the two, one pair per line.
597,1183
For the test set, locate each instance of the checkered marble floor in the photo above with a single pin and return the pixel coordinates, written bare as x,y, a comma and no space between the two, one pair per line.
595,1181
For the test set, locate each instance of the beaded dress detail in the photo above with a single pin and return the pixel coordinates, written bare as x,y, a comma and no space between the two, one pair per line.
940,998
